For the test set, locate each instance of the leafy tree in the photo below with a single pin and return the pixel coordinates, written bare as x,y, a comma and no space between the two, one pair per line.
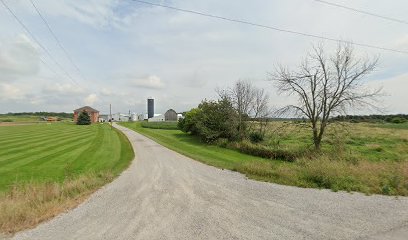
188,123
84,119
212,120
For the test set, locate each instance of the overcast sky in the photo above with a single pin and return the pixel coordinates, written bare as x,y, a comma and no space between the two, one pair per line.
128,51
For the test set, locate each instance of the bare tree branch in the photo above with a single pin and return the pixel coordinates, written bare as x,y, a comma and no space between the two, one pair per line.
326,85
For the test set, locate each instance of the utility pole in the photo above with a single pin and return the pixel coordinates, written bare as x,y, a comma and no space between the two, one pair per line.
110,115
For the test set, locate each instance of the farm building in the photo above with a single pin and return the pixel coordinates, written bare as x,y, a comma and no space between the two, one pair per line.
103,118
157,118
93,113
52,119
170,115
141,117
120,117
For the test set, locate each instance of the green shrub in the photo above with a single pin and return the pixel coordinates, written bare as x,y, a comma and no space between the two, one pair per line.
212,120
264,151
6,120
398,120
256,137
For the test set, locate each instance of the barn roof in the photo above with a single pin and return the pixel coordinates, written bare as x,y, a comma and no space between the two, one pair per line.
86,108
171,110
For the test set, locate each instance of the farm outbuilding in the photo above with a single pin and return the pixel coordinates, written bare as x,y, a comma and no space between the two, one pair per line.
93,113
170,115
157,118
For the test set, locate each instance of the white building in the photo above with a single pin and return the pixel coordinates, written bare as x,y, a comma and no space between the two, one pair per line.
157,118
133,117
103,118
120,117
179,116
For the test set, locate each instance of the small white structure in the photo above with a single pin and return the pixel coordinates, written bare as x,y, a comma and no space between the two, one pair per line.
120,117
133,117
157,118
141,117
103,118
179,116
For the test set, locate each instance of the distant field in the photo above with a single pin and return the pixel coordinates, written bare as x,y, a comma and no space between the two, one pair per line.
4,118
160,125
355,141
364,158
393,126
46,169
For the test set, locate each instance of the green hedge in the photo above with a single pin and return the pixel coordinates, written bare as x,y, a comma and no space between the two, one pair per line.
264,151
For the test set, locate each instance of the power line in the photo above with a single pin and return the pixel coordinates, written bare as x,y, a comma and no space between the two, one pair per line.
363,12
56,39
38,43
271,27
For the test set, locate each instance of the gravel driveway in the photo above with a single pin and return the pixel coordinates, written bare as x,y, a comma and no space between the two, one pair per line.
164,195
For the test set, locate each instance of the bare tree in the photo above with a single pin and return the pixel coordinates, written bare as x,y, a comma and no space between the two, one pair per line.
326,85
261,110
241,95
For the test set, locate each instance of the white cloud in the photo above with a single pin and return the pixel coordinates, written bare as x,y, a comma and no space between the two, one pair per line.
395,90
402,43
149,82
10,92
91,99
63,88
106,92
19,58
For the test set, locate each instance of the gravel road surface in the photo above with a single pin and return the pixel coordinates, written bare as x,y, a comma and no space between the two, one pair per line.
164,195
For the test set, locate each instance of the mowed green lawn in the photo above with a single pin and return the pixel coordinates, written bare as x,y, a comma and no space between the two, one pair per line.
57,151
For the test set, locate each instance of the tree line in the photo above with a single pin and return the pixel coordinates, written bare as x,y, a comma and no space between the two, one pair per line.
41,114
393,118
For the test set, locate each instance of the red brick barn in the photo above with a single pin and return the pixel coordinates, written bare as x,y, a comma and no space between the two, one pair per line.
93,113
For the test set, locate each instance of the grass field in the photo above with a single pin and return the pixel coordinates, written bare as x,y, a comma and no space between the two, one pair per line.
353,141
28,118
5,118
352,161
41,167
160,125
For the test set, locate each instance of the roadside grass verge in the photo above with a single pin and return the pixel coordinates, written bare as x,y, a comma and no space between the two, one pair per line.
192,147
27,205
160,125
48,169
336,169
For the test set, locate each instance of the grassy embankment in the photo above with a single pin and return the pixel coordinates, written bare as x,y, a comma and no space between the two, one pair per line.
367,158
160,125
46,169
